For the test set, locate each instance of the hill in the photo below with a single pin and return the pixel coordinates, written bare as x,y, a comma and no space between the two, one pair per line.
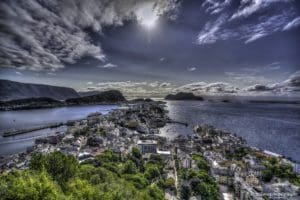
11,90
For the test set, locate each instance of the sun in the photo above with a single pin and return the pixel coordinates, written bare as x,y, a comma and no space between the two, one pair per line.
146,16
149,23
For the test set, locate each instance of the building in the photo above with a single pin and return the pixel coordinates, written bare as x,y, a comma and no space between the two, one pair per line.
164,154
147,146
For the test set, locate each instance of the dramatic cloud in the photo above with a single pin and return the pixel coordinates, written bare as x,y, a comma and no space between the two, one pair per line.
294,81
19,73
215,6
289,87
46,35
294,23
273,66
191,69
249,7
164,85
154,84
210,32
259,88
241,25
108,65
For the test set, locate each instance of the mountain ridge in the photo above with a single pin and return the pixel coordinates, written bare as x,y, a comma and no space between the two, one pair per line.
13,90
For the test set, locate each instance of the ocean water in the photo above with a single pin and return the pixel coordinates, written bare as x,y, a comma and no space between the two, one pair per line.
273,127
20,119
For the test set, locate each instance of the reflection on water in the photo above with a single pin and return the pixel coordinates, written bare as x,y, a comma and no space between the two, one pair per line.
275,127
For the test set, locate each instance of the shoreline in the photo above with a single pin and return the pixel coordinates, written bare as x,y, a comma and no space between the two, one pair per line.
12,133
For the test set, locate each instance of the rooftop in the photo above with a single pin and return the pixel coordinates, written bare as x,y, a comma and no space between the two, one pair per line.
147,142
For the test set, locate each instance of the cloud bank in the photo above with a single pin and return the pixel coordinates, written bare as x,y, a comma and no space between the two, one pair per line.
46,35
288,88
134,89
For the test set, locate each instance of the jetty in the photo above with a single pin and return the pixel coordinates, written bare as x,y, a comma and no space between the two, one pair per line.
177,122
22,131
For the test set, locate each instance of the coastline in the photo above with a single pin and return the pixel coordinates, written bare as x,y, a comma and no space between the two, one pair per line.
227,155
122,105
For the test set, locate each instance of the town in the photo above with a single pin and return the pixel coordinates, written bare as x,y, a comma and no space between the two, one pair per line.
210,164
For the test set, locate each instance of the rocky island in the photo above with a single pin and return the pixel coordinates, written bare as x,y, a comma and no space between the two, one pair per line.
183,96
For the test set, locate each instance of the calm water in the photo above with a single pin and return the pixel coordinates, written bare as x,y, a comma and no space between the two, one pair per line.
10,120
274,127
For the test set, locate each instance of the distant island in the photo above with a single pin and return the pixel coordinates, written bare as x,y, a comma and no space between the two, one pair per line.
183,96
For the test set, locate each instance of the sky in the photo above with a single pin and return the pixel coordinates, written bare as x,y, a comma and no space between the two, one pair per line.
154,47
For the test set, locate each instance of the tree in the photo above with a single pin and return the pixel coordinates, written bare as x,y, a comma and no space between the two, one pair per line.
207,191
95,179
59,166
170,182
81,189
155,192
185,191
152,172
129,167
202,164
267,175
37,161
29,185
107,156
136,153
138,180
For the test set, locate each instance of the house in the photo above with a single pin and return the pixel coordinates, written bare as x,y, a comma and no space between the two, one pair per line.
147,146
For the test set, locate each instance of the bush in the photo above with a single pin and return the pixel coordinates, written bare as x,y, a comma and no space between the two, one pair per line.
170,182
267,175
82,132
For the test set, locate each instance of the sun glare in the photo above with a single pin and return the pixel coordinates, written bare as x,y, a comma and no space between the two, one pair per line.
147,17
149,23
